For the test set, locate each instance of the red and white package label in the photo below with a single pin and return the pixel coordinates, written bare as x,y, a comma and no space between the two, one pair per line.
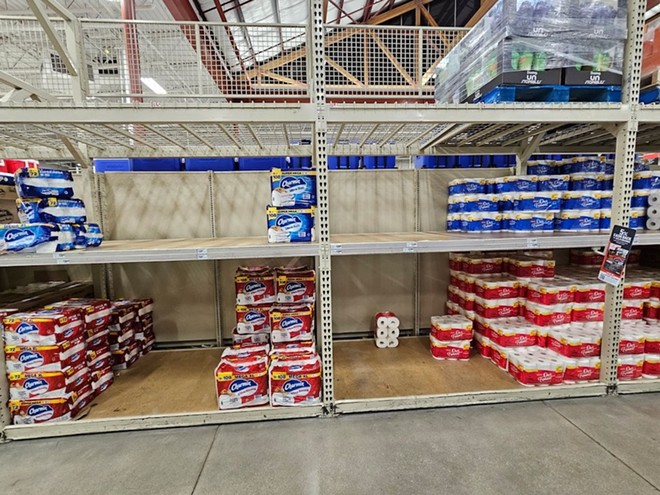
451,334
636,290
292,323
652,310
531,374
558,314
250,338
96,312
652,342
242,382
450,350
47,385
44,358
482,345
255,285
585,312
295,380
253,319
651,368
499,356
549,293
299,287
630,367
29,412
301,347
574,346
631,346
632,310
481,266
494,290
245,351
582,370
589,294
45,327
512,339
502,308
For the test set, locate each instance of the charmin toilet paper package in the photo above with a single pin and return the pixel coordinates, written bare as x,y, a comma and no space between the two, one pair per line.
96,312
47,385
29,412
51,210
290,225
452,350
246,350
296,286
290,348
295,380
20,358
44,183
43,327
253,319
87,235
36,237
249,338
255,285
292,323
242,382
291,188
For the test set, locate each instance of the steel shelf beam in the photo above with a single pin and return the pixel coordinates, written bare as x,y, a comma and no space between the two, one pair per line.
638,386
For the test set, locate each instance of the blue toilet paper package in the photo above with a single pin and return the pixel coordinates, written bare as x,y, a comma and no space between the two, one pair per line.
455,203
524,183
606,200
581,200
44,183
537,201
7,179
578,221
640,198
290,225
481,222
467,186
453,222
541,167
553,182
36,237
646,180
583,165
293,188
637,218
480,203
517,222
544,222
605,220
51,210
87,235
585,182
606,182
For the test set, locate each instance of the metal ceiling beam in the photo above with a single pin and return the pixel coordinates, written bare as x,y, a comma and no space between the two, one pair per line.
367,10
128,135
486,5
39,10
223,17
19,84
201,139
102,135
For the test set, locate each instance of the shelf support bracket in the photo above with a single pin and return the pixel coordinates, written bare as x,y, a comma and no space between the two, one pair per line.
613,129
526,151
38,7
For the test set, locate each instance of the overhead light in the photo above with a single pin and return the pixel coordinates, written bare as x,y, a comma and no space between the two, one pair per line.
153,85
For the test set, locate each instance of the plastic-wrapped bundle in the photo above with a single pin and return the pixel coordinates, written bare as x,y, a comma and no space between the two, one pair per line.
44,183
51,210
87,235
36,237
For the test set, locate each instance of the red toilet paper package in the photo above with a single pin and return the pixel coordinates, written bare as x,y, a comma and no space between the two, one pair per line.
652,310
123,314
98,362
300,347
535,368
574,343
589,293
550,292
454,350
651,367
632,340
47,385
43,327
633,309
499,356
96,312
249,338
242,382
636,289
655,289
45,358
292,323
586,312
520,334
528,267
29,412
500,287
255,285
497,308
482,345
246,350
630,367
253,319
479,265
582,369
451,328
295,380
542,315
296,287
652,340
98,342
465,300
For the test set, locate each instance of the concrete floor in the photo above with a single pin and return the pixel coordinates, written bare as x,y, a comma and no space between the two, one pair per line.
608,445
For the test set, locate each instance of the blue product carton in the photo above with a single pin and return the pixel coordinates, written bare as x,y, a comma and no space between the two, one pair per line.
467,186
43,183
581,200
293,188
456,203
35,237
553,182
87,235
605,220
481,203
517,222
544,222
51,210
290,225
525,183
538,201
578,221
640,198
649,179
481,222
606,200
453,222
7,179
606,182
637,218
586,182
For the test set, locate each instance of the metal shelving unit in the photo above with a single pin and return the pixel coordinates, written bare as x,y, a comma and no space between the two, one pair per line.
318,122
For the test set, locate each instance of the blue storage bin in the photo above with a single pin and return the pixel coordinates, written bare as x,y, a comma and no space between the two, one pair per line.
481,161
378,161
343,162
441,161
156,164
261,162
500,161
300,162
426,161
112,165
220,164
390,161
464,161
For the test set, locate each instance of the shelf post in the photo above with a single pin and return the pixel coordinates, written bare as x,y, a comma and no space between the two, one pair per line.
316,66
626,139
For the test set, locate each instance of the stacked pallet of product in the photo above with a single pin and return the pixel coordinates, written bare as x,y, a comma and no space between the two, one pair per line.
131,331
274,356
577,200
51,218
546,328
290,217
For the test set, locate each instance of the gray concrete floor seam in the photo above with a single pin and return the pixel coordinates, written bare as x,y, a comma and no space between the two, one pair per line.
594,440
206,458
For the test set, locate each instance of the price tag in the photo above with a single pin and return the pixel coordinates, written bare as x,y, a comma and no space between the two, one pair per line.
411,247
335,249
202,254
532,243
61,259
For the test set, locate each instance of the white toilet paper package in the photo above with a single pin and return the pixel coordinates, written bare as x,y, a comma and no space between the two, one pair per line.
293,188
36,237
44,183
51,210
290,225
87,235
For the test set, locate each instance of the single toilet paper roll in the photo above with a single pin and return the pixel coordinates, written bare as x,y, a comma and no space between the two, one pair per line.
393,343
653,224
654,198
393,322
393,333
381,322
382,343
653,212
382,333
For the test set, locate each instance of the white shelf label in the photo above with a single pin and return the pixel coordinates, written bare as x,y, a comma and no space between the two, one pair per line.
411,247
202,254
532,243
61,259
335,249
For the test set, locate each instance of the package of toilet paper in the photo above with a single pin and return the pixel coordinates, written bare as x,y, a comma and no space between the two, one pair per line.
482,344
651,367
29,412
497,308
581,370
630,367
43,327
481,265
637,289
290,225
49,358
575,342
87,235
445,328
296,286
586,182
451,350
467,186
36,237
293,188
535,368
246,350
242,382
51,210
295,379
548,315
557,291
518,334
586,312
292,323
47,385
578,221
253,319
481,222
499,287
249,338
553,182
255,285
580,200
632,340
44,183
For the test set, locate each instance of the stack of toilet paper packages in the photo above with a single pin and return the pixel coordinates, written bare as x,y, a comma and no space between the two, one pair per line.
273,358
51,218
282,374
290,217
550,320
386,329
45,353
96,315
576,202
143,324
451,337
125,325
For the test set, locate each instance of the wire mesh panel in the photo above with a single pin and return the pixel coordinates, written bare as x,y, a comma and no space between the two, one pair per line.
378,62
27,54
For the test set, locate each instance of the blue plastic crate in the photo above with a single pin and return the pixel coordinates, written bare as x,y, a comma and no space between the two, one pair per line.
465,161
343,162
219,164
156,164
372,162
261,162
112,165
300,162
426,161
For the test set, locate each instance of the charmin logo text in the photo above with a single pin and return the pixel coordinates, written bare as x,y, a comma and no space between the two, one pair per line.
289,223
254,317
254,287
30,359
290,323
242,387
18,235
296,387
40,412
25,328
